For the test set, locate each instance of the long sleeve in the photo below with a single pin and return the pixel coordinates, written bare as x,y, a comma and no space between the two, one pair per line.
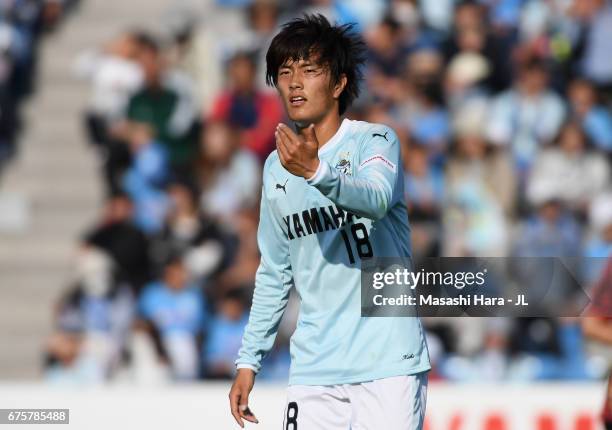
309,241
273,282
373,188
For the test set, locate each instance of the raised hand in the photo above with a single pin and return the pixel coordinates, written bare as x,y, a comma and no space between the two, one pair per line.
298,154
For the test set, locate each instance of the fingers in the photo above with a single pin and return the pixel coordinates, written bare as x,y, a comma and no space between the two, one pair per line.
288,133
239,401
306,139
281,146
234,399
286,140
297,154
246,413
289,141
309,133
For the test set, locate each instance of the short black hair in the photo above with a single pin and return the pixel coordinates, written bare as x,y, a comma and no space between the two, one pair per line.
338,47
147,41
535,64
173,258
243,55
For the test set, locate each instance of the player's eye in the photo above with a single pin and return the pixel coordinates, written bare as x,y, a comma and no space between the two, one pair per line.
311,70
283,72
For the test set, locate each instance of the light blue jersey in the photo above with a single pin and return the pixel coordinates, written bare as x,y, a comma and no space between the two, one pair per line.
313,234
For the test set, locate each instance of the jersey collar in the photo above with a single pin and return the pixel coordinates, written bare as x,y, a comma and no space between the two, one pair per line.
336,138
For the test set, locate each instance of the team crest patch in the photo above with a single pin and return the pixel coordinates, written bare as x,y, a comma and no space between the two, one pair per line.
344,165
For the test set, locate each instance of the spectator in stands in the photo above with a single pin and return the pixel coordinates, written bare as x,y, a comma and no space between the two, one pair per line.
547,349
229,175
174,310
115,75
9,120
480,193
386,59
424,185
600,215
570,171
598,246
202,50
591,46
150,158
28,19
19,32
225,334
128,246
474,157
92,323
473,33
254,112
164,103
489,361
208,247
241,273
262,23
144,181
429,125
526,116
552,231
415,107
464,81
62,364
424,193
594,118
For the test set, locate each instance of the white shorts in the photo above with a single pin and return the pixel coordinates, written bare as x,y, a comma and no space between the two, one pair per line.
395,403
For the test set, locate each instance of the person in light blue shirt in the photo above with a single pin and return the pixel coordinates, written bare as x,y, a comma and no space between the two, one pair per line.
177,311
224,335
144,180
332,197
594,117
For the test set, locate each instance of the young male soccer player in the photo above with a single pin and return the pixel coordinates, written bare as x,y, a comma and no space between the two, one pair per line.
332,196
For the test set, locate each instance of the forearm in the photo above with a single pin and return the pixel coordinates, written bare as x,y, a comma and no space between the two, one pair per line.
368,197
268,306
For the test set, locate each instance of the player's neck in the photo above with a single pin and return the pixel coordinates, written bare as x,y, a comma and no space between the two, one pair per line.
326,128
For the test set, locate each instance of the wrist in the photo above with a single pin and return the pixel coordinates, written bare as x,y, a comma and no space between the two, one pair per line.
310,173
245,372
245,366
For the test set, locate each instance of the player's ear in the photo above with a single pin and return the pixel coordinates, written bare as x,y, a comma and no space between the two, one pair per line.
340,85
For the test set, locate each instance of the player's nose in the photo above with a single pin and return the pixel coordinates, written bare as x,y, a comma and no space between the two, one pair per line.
295,83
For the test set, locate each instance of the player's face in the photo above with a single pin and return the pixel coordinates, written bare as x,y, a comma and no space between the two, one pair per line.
307,92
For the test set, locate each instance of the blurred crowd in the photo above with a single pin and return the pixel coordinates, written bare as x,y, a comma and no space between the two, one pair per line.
504,111
23,23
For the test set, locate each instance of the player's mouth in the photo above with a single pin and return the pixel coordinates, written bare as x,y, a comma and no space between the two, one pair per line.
297,101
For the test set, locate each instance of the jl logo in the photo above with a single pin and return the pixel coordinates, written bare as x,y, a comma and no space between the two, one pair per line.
344,165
